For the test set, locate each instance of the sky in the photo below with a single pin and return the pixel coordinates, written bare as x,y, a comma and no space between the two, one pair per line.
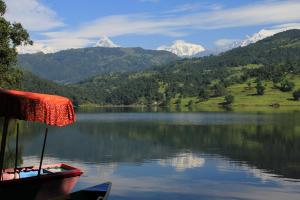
63,24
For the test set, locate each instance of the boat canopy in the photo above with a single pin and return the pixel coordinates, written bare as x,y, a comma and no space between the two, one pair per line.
49,109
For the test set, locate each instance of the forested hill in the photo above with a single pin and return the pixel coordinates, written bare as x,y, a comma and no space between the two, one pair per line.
274,59
262,73
75,65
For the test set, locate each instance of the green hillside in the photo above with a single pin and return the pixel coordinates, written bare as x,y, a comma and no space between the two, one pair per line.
245,99
272,63
75,65
33,83
259,76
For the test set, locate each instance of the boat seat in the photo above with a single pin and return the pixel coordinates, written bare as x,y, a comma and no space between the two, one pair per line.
31,173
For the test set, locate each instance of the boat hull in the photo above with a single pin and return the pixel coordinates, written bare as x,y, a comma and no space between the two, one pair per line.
45,186
100,191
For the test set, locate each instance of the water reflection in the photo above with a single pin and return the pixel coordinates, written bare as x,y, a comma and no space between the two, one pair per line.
178,155
183,161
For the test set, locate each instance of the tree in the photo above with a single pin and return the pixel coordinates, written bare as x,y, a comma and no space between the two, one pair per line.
11,36
286,85
260,89
219,90
203,94
190,103
178,101
296,95
229,99
249,85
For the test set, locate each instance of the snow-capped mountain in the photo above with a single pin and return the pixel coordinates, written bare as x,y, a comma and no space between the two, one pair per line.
106,42
260,35
35,48
183,49
40,47
264,33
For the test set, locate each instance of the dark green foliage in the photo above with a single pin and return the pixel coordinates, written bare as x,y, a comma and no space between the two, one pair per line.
203,94
260,89
286,85
249,85
31,82
229,99
296,95
178,101
2,8
11,36
219,90
190,103
75,65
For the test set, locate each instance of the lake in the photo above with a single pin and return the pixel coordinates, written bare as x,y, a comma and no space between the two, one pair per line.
162,155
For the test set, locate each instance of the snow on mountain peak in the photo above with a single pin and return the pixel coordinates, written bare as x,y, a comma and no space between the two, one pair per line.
183,49
35,48
106,42
264,33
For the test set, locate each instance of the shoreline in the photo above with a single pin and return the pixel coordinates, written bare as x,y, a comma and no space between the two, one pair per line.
196,108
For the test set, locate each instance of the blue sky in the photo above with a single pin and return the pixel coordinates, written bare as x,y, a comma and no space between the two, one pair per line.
149,24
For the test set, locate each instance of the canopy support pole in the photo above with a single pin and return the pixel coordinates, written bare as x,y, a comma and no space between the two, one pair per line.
43,151
3,144
17,149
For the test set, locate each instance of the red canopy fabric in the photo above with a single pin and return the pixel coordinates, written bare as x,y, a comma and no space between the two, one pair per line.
49,109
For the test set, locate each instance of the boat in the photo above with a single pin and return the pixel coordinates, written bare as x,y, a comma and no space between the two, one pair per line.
53,181
97,192
36,182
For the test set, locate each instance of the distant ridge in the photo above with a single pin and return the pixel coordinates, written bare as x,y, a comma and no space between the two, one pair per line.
264,33
74,65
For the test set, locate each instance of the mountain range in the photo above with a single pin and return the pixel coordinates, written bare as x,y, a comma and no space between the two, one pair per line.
76,65
179,47
274,58
184,49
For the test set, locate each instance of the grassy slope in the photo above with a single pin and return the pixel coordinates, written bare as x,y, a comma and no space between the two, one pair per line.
246,100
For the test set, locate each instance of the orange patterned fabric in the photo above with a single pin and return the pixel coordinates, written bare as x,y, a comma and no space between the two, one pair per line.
49,109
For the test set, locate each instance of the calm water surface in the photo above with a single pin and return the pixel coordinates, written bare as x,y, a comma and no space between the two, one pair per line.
178,155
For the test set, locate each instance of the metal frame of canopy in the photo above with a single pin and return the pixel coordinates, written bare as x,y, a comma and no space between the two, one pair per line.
3,146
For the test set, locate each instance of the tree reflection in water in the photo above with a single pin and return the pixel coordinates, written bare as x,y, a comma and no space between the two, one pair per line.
267,142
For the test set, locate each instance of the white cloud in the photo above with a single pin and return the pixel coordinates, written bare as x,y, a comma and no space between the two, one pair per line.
111,26
274,12
225,42
193,7
32,14
183,161
288,25
263,13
